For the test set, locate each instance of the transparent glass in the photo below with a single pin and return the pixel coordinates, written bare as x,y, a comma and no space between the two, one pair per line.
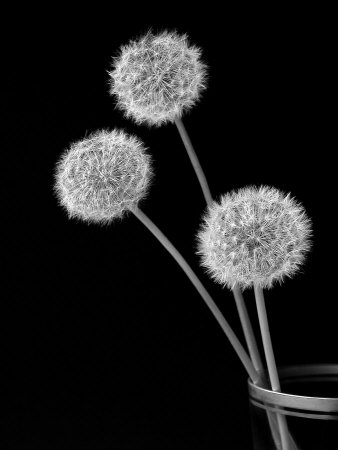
308,402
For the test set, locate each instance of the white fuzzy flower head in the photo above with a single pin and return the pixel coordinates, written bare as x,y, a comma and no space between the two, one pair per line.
254,236
157,78
103,176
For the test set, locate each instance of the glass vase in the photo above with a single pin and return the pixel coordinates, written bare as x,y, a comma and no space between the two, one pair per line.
309,404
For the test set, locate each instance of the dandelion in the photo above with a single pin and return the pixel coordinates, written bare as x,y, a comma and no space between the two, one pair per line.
256,236
157,77
107,174
102,177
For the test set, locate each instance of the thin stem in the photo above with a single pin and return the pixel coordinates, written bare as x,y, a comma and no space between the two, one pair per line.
202,291
244,317
194,160
266,337
243,314
270,360
247,330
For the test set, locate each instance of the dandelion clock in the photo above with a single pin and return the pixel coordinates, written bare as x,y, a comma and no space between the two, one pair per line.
102,177
254,238
157,78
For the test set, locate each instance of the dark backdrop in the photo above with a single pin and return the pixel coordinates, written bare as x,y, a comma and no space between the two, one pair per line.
107,344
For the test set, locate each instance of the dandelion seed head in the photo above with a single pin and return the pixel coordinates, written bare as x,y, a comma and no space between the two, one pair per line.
256,235
157,77
102,177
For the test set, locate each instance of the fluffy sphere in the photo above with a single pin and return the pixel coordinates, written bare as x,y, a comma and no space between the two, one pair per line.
254,236
157,78
103,176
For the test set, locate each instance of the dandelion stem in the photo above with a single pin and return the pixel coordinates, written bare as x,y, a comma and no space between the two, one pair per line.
194,160
266,337
202,291
256,360
270,360
243,314
248,331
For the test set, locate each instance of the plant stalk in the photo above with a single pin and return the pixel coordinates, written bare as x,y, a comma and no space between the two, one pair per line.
194,160
248,331
237,346
241,308
243,314
270,360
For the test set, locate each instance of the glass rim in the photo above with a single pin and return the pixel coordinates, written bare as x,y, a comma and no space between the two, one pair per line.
308,372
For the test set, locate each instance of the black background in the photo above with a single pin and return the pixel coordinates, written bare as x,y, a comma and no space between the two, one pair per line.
107,344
